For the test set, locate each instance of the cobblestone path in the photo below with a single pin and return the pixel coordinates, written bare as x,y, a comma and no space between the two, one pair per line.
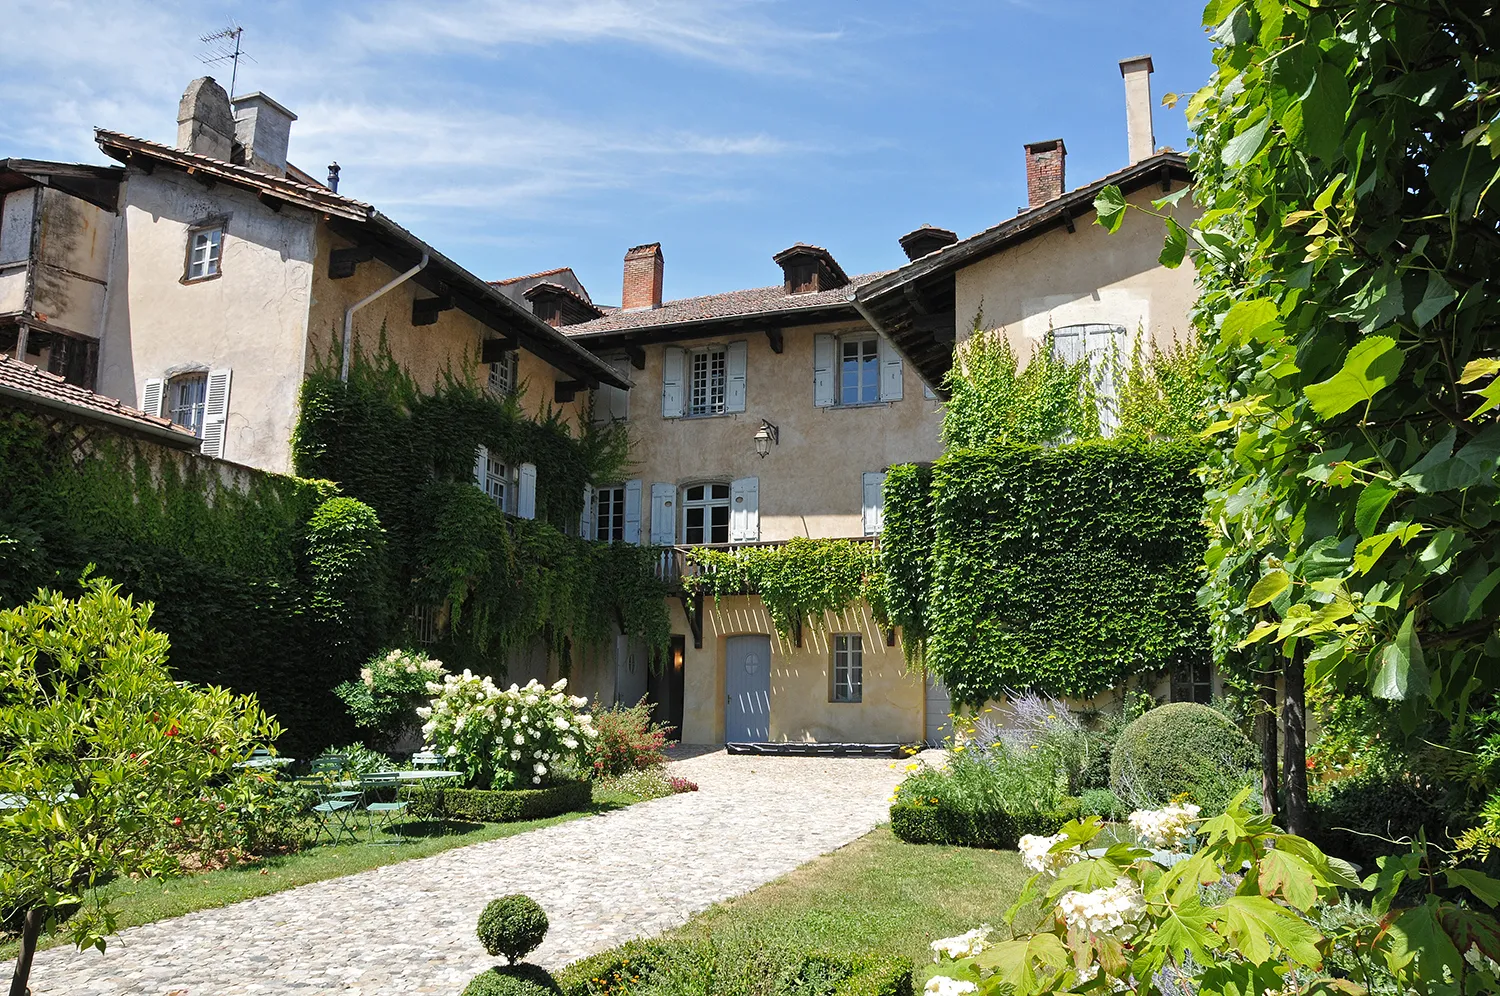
409,928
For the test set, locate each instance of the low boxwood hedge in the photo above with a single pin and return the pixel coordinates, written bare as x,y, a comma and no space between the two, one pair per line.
501,805
668,966
926,823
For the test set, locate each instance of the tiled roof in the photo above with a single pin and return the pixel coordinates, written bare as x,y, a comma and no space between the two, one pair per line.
720,307
24,381
532,276
313,196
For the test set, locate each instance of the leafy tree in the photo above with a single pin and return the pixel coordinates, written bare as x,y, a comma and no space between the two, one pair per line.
1346,159
106,760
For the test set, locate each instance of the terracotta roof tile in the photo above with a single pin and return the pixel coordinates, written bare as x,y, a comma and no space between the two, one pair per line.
26,380
713,307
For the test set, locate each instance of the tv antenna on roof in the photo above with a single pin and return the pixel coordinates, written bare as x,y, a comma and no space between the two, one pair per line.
224,46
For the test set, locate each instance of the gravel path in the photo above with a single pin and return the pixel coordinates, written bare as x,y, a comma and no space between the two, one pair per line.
409,928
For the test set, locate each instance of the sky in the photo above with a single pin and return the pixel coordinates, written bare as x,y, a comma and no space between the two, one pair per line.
521,135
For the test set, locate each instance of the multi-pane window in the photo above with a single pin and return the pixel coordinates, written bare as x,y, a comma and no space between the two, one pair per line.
186,397
848,667
497,483
609,515
503,374
1193,681
205,248
859,370
706,375
705,514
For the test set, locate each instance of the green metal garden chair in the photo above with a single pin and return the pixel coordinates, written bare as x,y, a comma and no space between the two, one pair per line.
388,813
337,806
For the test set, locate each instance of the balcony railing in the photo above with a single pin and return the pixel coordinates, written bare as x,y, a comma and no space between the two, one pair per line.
673,565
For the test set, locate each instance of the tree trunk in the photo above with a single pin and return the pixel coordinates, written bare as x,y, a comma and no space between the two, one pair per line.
31,930
1294,757
1270,761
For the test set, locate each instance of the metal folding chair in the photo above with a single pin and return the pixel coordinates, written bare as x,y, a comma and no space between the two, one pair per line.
388,813
337,806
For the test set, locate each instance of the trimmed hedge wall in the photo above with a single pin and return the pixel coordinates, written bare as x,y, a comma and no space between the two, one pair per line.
1062,569
944,824
640,966
502,805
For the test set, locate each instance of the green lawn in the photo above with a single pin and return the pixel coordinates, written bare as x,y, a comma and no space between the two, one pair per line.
877,893
148,900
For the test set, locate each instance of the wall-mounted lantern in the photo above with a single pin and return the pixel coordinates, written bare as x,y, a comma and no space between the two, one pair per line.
765,436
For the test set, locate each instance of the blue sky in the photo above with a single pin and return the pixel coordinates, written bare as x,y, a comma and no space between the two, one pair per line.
519,135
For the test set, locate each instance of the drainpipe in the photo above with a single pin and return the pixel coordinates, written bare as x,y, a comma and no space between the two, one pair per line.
349,314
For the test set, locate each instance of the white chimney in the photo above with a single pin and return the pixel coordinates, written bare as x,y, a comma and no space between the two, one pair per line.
1142,136
264,128
204,122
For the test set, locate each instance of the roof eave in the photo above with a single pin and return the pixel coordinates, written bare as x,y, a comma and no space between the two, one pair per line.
172,437
700,327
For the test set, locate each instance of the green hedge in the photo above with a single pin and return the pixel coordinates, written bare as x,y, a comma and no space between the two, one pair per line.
1181,748
662,966
919,823
502,805
1063,569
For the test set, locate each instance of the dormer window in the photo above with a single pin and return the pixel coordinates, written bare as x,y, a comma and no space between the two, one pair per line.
808,269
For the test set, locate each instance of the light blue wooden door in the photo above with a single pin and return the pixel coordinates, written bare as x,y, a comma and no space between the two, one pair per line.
939,726
747,682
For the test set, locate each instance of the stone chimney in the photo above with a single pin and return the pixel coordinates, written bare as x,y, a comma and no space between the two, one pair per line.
205,124
1044,170
643,274
925,240
263,127
1138,129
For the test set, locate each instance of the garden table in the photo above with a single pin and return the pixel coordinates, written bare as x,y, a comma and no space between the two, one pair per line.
266,762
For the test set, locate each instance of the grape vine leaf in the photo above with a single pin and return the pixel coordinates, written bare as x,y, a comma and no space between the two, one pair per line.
1371,366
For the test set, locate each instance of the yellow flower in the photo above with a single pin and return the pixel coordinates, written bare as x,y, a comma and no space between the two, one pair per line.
912,767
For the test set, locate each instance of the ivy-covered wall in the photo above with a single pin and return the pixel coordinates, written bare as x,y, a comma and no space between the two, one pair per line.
497,584
261,581
1065,569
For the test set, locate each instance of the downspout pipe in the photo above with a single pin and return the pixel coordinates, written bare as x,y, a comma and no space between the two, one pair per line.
349,313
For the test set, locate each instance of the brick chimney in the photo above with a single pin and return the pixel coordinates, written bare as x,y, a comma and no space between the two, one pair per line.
1044,170
1138,127
205,124
643,273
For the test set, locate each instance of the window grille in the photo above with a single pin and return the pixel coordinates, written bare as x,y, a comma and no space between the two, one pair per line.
706,381
848,667
205,249
705,514
859,370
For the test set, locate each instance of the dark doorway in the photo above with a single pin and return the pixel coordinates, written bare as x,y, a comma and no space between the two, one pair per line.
664,688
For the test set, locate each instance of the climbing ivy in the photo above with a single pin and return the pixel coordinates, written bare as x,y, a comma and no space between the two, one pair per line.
797,581
261,584
1064,569
498,583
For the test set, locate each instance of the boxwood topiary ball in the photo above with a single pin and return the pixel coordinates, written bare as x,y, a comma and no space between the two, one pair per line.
513,980
1180,749
512,926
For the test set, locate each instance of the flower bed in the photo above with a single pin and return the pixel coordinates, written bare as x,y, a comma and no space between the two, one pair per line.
921,822
649,968
502,805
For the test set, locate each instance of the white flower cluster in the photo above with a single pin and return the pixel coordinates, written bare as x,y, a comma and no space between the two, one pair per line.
1168,828
1102,911
941,985
1479,961
965,945
1037,853
399,663
514,736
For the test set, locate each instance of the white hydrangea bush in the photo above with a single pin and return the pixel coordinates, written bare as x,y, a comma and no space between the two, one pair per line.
1169,829
517,737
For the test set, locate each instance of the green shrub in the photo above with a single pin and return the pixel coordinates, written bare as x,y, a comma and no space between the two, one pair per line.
996,778
1360,819
512,980
1181,749
645,966
672,967
513,926
627,741
391,687
1102,803
926,823
650,783
502,805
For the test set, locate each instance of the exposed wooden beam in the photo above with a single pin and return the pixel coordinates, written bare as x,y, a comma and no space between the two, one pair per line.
773,336
637,357
425,310
208,181
343,262
494,350
692,607
564,390
143,163
274,203
913,299
1067,217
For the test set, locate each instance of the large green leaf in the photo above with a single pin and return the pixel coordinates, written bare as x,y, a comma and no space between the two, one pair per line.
1175,246
1438,471
1371,366
1246,319
1288,875
1372,502
1325,107
1437,297
1027,962
1243,147
1267,588
1481,885
1109,208
1254,923
1403,667
1417,939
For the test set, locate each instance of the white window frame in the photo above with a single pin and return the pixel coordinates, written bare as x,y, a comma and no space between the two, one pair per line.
196,408
714,395
848,668
502,377
864,340
609,514
500,482
707,503
205,253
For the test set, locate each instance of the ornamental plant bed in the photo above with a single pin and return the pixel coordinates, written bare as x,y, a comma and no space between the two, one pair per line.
654,967
944,823
502,805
